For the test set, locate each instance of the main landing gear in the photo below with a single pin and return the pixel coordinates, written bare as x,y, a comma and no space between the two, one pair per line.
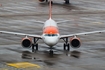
66,44
67,1
35,45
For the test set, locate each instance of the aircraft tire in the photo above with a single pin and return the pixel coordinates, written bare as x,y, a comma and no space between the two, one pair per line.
66,47
33,48
46,0
67,2
51,52
36,47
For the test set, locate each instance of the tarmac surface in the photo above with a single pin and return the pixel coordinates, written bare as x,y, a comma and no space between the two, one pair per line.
22,16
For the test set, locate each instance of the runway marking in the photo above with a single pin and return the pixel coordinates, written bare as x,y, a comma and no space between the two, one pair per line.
3,69
97,23
23,65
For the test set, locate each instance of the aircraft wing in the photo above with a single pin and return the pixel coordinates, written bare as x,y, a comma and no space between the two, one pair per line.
20,34
84,33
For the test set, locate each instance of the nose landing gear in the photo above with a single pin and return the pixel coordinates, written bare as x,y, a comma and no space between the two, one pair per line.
51,51
46,0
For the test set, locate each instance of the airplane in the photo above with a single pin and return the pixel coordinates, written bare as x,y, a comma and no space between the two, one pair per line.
66,1
51,36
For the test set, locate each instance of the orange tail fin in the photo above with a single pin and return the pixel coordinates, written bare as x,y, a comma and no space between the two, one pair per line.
50,9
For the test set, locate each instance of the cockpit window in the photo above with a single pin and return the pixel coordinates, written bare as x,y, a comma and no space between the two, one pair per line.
50,34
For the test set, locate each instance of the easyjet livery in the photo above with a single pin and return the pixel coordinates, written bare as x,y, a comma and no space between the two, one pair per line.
51,36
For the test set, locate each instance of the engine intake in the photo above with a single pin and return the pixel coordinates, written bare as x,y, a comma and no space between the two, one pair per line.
75,42
26,42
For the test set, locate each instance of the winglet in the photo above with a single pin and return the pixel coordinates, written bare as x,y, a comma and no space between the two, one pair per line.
50,9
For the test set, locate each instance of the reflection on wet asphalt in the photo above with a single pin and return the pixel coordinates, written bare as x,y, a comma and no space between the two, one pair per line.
82,15
75,54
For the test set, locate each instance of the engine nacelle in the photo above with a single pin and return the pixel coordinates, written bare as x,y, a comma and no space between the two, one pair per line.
41,0
26,42
75,42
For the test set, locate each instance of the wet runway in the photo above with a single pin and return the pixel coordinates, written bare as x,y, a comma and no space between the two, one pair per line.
84,16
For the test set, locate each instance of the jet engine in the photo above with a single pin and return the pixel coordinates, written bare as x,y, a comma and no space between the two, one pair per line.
75,42
41,0
26,42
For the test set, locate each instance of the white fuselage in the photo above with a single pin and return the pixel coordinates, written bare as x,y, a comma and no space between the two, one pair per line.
50,34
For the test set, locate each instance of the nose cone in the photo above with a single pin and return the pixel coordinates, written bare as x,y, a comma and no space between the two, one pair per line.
51,41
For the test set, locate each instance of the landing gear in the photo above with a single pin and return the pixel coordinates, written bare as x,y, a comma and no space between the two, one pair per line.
51,51
46,0
35,45
51,2
66,44
67,2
